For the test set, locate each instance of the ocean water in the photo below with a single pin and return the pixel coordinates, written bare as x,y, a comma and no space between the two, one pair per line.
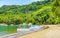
7,30
3,33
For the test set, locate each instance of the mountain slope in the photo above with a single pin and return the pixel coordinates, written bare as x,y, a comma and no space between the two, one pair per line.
40,12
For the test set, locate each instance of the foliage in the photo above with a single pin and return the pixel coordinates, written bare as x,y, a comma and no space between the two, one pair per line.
40,12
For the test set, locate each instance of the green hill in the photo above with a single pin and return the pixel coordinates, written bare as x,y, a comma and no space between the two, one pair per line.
40,12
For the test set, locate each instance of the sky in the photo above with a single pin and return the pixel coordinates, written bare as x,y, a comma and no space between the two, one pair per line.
16,2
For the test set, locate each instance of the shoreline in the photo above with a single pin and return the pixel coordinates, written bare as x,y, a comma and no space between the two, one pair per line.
47,33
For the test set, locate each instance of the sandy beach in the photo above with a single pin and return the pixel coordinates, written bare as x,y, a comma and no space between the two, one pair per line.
52,32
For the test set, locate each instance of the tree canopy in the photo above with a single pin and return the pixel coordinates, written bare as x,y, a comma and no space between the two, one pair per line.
40,12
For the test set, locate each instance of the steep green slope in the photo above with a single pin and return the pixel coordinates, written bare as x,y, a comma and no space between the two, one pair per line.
40,12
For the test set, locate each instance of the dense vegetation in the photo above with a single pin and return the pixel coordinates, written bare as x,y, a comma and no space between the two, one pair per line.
40,12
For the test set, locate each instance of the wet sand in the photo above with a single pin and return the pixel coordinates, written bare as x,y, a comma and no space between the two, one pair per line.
52,32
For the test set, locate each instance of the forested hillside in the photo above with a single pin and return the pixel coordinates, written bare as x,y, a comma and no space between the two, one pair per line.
40,12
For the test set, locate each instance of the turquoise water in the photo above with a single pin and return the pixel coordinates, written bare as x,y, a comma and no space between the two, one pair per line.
3,33
7,30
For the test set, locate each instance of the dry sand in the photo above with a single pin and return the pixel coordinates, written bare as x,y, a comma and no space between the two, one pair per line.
52,32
